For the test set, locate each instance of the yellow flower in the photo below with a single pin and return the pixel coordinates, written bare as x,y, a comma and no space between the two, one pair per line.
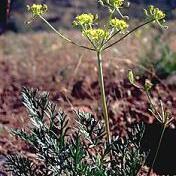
117,3
155,13
112,3
37,9
118,24
96,34
84,20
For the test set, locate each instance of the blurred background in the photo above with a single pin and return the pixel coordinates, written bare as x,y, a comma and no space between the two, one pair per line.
62,12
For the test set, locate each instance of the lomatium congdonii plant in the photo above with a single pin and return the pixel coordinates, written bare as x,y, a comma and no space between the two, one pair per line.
99,37
159,112
89,148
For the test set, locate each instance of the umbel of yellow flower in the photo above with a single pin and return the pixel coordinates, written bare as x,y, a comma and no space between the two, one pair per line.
117,3
85,19
96,34
114,4
118,24
37,9
155,13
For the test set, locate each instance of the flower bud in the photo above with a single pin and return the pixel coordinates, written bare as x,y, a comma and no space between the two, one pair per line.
148,85
37,9
131,77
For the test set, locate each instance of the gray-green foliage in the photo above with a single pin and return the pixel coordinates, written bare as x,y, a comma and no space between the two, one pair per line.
78,151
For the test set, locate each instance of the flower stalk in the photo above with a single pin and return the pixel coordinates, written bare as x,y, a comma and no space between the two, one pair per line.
103,96
63,36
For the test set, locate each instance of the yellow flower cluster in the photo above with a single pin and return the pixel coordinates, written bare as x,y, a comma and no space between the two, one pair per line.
37,9
118,24
96,34
116,3
112,3
84,20
155,13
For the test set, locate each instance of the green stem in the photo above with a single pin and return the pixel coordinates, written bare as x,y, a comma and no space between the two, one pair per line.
63,37
133,30
112,36
103,96
156,154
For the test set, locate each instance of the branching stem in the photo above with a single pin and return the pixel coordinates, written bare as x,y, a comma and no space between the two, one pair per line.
63,37
133,30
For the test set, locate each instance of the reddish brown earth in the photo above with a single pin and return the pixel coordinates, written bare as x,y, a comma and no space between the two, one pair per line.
43,61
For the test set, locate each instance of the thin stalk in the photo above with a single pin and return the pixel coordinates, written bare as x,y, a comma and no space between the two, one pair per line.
63,37
128,34
113,35
156,154
103,96
155,113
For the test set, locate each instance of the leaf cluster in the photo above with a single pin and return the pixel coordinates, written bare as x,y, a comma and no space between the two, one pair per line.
78,151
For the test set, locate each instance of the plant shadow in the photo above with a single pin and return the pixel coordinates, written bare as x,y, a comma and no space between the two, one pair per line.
166,160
